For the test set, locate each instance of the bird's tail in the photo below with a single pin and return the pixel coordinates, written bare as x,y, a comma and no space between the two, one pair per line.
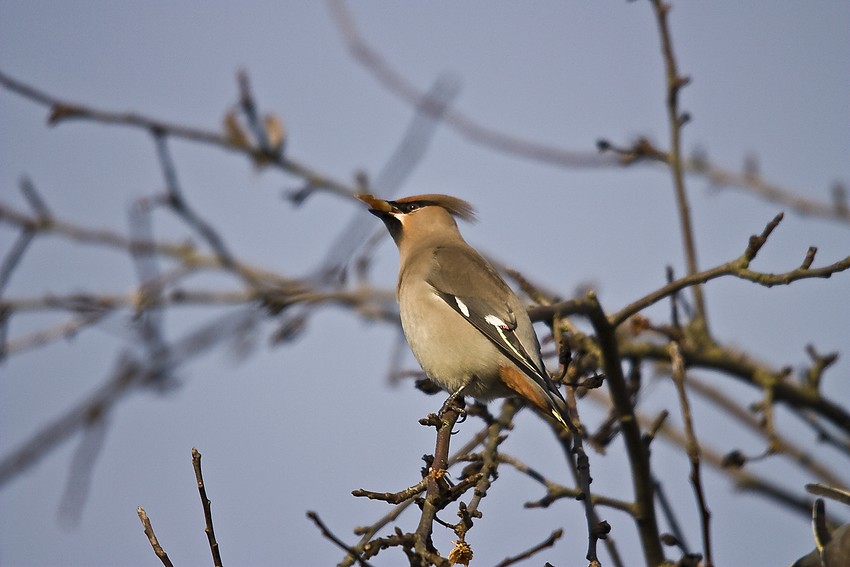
545,401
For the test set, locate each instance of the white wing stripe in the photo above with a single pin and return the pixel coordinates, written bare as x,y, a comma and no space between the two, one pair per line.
462,306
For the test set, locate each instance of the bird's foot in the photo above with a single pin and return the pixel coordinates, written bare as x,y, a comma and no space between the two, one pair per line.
455,402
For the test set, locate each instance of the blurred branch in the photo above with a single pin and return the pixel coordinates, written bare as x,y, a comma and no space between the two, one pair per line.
26,235
831,492
266,285
754,183
126,375
61,111
57,332
409,152
395,82
130,374
81,471
178,203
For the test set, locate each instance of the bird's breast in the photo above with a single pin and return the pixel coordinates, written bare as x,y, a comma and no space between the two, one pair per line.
450,350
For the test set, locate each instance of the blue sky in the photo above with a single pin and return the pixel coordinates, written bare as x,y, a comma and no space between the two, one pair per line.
297,427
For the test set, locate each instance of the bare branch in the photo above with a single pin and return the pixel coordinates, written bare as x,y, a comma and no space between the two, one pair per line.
693,448
545,544
555,491
393,81
732,409
676,120
327,533
163,556
61,111
637,452
392,497
743,479
205,502
432,504
478,133
755,184
366,542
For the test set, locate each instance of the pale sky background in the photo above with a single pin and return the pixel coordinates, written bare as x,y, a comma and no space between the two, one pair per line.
297,427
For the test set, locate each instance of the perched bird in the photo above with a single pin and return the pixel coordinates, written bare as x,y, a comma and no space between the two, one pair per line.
466,328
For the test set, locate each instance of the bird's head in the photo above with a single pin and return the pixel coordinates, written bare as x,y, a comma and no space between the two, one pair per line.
420,215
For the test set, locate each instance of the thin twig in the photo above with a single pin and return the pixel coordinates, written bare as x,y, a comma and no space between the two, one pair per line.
743,479
732,409
738,268
675,120
636,450
163,556
555,491
392,497
737,364
207,505
693,448
490,454
545,544
369,532
436,472
328,534
669,514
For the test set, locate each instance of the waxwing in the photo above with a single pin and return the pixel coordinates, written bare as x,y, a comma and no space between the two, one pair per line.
466,328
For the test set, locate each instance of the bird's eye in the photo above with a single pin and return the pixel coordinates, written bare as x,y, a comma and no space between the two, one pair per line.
410,207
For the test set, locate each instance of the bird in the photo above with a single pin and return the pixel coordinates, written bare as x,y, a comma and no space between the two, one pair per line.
465,326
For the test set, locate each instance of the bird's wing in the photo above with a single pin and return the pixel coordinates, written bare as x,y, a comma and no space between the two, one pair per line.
484,304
